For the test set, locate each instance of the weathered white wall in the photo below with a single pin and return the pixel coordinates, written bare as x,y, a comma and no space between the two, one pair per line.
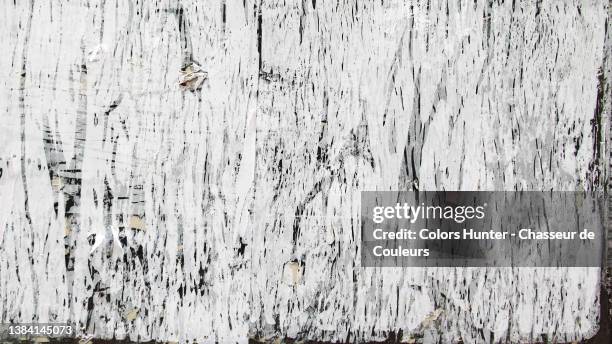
139,208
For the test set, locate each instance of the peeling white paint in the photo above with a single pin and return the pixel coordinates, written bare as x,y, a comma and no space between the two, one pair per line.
227,208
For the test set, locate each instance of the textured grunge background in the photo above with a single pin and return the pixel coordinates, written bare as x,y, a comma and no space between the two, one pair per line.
190,170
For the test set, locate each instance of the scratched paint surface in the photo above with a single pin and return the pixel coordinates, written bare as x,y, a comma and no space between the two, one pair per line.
189,170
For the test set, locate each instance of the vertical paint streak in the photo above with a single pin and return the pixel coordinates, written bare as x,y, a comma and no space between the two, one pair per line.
24,159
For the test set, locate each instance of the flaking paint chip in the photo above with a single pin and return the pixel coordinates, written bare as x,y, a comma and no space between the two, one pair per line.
96,53
408,340
292,273
132,314
136,222
191,77
431,318
57,183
